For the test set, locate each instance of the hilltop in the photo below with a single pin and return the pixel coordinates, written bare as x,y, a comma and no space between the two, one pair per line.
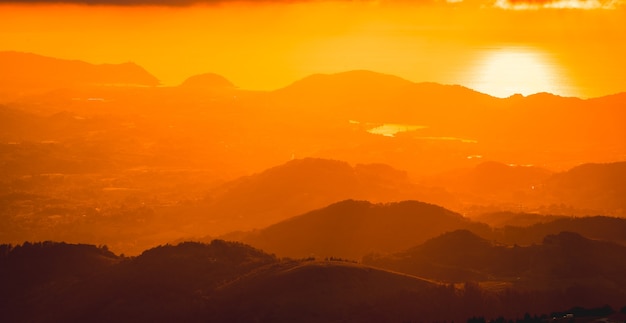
351,229
26,71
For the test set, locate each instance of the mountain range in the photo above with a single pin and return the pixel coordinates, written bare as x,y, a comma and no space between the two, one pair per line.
301,185
353,229
332,116
348,197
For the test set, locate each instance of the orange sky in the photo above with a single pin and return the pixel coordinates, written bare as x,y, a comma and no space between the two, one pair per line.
267,45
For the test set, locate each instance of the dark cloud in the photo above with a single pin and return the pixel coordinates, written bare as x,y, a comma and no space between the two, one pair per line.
183,3
167,3
506,4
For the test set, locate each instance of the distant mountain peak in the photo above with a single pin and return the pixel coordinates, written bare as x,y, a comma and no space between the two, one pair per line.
351,87
356,76
37,71
566,238
347,80
207,81
457,238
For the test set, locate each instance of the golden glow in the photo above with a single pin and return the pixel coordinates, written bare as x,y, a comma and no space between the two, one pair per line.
268,45
169,146
509,71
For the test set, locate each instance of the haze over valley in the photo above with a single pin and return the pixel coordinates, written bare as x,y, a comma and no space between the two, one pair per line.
353,196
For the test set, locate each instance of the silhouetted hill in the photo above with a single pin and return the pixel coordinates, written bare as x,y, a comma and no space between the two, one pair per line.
25,72
222,282
456,256
207,81
346,83
331,292
596,187
32,271
567,260
514,219
562,261
375,97
217,258
351,229
595,227
51,259
231,282
166,283
353,83
302,185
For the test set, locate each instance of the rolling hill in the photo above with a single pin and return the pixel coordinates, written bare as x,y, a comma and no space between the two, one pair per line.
207,81
220,281
565,261
595,187
231,282
301,185
592,227
351,229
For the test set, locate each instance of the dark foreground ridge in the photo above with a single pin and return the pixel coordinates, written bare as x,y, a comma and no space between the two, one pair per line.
232,282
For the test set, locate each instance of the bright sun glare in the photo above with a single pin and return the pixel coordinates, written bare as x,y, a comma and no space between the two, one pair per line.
505,72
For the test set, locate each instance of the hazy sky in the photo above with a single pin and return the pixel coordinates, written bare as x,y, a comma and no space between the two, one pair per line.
568,47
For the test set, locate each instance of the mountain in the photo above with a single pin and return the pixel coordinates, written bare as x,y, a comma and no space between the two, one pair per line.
375,97
334,291
302,185
331,85
596,187
351,229
32,271
207,81
516,219
541,129
452,109
456,256
23,72
162,284
592,227
566,261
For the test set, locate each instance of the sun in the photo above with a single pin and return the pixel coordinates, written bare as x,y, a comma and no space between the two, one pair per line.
509,71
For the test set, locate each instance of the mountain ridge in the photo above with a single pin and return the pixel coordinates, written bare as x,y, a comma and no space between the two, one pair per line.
350,229
361,76
28,69
231,282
